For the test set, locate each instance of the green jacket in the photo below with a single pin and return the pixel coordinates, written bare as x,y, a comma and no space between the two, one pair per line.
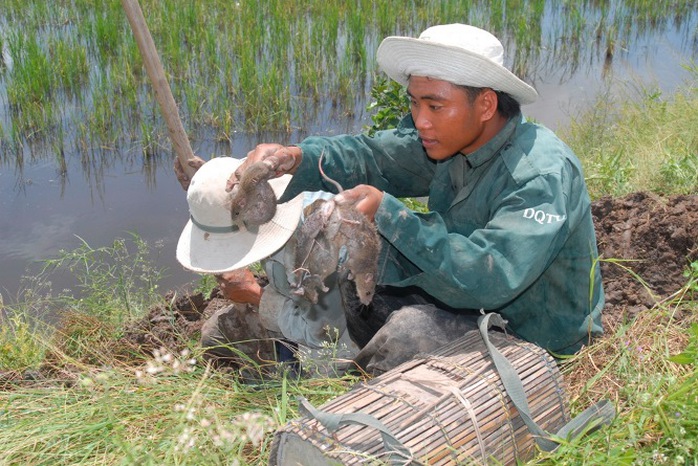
509,228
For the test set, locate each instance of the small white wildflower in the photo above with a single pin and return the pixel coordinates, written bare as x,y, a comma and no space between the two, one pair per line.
254,425
255,432
226,435
658,457
191,414
186,440
205,423
152,369
185,353
184,436
179,407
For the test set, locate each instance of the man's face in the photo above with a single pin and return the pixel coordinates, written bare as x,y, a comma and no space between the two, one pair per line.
447,121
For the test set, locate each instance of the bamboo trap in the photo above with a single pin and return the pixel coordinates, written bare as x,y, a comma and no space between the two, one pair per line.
448,407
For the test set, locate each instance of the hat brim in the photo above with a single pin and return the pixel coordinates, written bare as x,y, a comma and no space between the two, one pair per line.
402,57
216,253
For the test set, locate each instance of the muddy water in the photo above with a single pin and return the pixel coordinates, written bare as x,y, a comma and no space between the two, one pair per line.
42,212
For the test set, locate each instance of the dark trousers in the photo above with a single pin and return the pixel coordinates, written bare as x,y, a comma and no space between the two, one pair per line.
399,324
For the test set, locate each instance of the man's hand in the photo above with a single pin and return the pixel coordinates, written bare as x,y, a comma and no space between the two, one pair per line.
182,176
366,199
240,286
280,159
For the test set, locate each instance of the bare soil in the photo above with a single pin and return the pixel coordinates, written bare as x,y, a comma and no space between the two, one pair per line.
654,238
639,235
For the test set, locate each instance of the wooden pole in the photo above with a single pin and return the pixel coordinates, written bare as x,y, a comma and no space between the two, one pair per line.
163,93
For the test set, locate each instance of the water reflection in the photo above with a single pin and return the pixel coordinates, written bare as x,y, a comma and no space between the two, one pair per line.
100,166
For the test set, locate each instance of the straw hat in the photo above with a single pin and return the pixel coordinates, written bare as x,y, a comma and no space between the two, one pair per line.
210,242
457,53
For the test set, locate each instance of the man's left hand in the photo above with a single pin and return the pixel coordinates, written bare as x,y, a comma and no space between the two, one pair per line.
240,286
366,199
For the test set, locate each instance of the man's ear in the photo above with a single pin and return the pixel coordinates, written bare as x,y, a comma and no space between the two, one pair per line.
487,101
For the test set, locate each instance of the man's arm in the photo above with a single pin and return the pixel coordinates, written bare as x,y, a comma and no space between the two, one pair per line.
489,266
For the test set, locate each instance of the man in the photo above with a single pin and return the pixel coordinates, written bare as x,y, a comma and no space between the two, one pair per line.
509,228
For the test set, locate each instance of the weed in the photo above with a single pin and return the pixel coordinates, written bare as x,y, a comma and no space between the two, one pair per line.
679,175
20,342
390,103
116,283
205,285
621,143
691,273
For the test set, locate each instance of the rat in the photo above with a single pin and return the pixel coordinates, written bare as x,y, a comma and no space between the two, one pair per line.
362,242
252,200
328,228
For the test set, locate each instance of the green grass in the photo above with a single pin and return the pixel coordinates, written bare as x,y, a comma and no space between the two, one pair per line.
169,410
642,140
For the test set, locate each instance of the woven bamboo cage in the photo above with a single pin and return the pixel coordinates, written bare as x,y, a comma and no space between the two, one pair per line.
448,407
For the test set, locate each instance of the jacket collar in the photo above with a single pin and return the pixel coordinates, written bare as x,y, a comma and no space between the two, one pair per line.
485,153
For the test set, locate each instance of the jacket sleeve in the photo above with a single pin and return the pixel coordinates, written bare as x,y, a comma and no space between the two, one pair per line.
393,161
490,266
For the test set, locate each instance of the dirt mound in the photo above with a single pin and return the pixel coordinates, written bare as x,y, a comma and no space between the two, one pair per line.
172,325
652,237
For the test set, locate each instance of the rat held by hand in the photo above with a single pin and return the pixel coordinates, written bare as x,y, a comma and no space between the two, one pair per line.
253,201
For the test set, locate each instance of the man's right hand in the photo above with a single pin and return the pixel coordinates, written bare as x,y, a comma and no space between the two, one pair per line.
281,159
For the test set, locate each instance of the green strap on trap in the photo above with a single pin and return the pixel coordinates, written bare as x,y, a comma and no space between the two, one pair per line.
399,453
597,415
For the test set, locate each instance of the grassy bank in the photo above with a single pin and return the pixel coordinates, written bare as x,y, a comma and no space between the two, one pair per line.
96,402
640,140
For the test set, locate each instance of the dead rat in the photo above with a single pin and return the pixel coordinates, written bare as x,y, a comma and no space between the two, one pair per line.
328,229
313,250
253,201
362,243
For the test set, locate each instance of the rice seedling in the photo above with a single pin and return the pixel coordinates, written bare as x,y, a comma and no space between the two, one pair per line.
69,63
269,64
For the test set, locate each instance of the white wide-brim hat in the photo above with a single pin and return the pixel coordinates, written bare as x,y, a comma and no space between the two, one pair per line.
457,53
211,242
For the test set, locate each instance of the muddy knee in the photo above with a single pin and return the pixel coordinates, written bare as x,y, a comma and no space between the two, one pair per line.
409,331
234,334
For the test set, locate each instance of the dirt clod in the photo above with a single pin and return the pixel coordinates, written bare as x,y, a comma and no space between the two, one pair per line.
655,238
